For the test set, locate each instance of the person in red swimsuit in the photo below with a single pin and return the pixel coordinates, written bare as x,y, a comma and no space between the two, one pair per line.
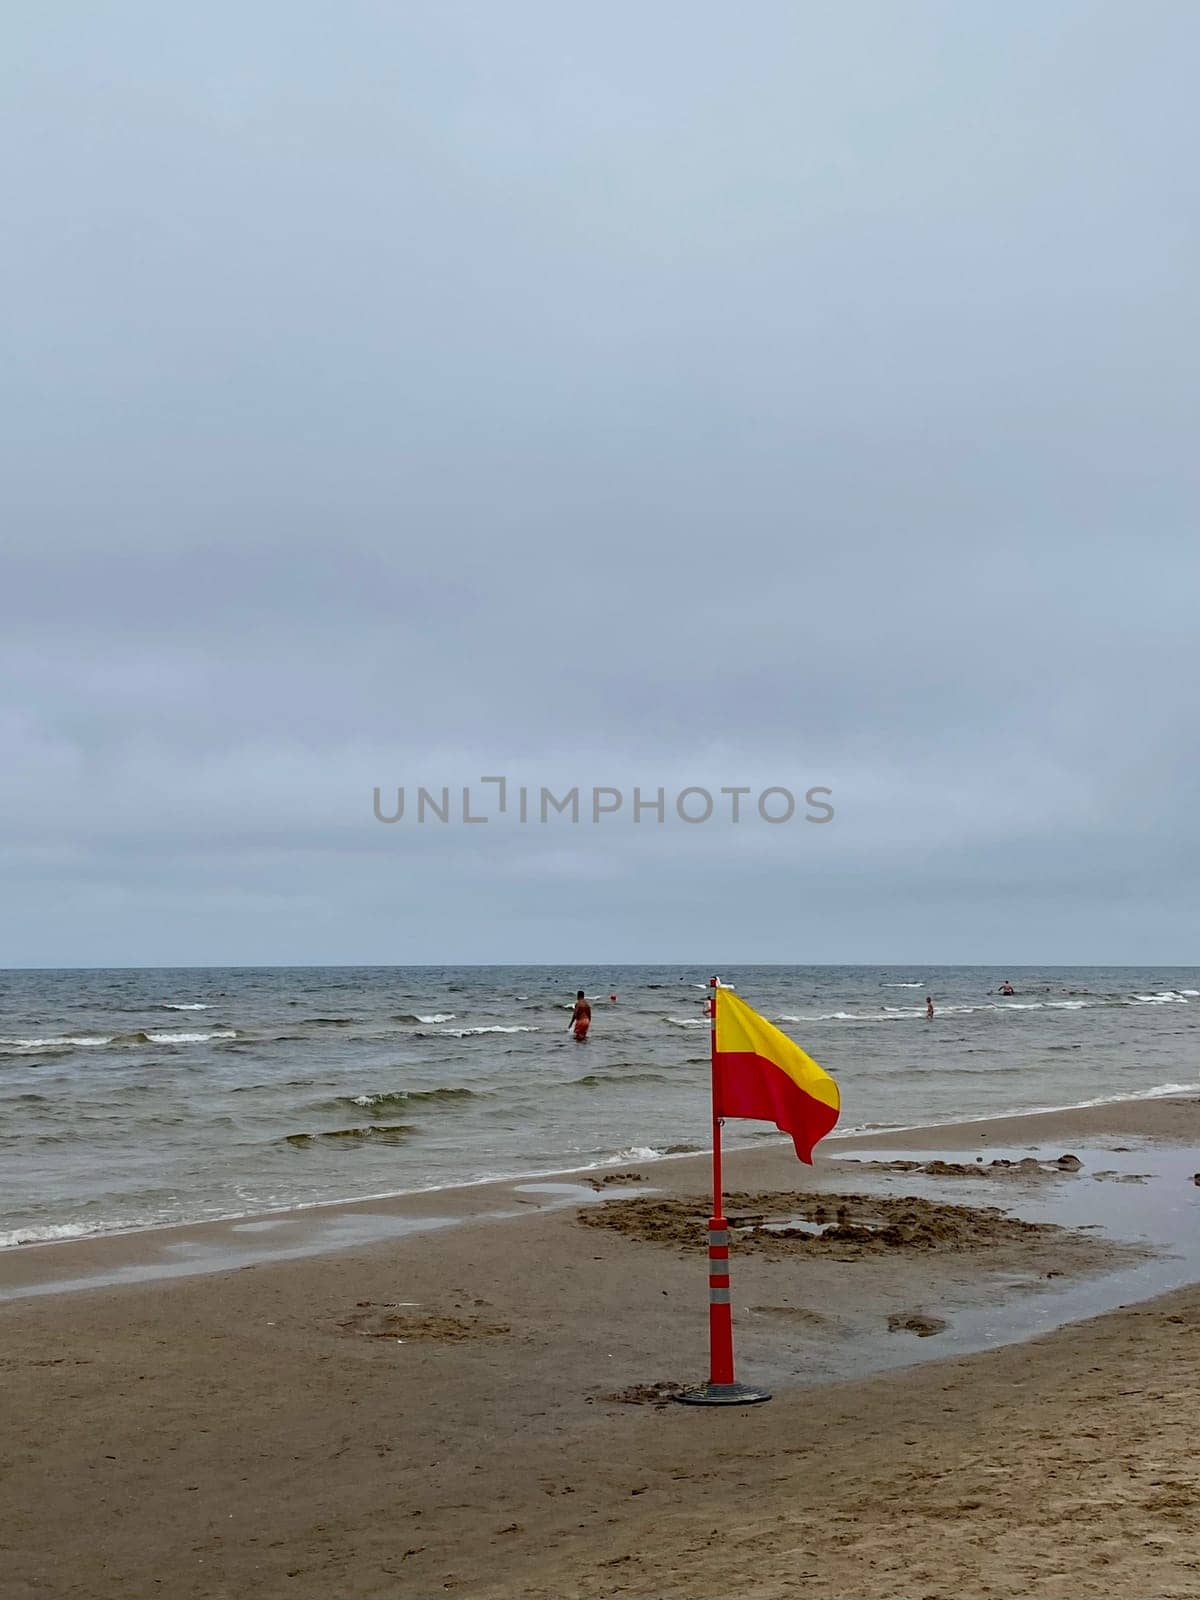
581,1018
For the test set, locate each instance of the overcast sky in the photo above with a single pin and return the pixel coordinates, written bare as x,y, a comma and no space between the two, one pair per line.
674,394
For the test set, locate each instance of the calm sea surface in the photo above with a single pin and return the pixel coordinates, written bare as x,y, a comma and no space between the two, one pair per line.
135,1097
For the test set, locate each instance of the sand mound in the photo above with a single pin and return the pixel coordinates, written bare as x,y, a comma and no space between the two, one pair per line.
847,1226
384,1322
1026,1167
644,1394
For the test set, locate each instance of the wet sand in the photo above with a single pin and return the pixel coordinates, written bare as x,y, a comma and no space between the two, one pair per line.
461,1392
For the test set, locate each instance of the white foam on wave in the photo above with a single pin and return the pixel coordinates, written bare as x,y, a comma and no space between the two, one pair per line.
191,1005
436,1016
888,1014
900,1013
494,1027
831,1016
192,1038
901,985
65,1041
50,1232
1160,1091
96,1041
689,1022
903,1013
908,1013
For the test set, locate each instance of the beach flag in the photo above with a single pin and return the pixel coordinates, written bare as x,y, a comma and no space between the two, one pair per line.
758,1072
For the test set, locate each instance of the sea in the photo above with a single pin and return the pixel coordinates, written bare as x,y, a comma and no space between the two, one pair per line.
136,1098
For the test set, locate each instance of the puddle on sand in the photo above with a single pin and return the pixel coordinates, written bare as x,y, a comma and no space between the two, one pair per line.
815,1230
581,1193
557,1191
1141,1195
1160,1210
221,1247
788,1225
303,1235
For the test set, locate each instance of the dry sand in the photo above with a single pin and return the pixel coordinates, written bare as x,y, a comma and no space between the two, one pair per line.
479,1410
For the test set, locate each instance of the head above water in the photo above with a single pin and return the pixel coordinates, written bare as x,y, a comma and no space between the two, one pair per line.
579,994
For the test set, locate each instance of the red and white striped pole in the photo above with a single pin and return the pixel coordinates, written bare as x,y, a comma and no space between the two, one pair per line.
721,1389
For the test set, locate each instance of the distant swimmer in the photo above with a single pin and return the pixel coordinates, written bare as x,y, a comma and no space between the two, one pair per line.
928,1008
1007,988
581,1017
612,999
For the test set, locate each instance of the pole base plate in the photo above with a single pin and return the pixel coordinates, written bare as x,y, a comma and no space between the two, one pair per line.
722,1394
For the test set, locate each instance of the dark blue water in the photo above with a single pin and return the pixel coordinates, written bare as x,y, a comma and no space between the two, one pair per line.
129,1098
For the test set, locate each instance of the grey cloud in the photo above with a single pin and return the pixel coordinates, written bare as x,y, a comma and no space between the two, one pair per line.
668,395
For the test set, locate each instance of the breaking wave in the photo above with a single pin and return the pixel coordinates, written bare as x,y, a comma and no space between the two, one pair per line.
186,1038
51,1232
388,1132
465,1033
598,1080
98,1041
66,1041
405,1097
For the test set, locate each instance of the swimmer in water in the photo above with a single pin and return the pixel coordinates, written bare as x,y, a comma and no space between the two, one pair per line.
713,983
581,1017
1007,988
928,1008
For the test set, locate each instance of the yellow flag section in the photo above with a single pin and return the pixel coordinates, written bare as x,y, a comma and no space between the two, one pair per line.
758,1072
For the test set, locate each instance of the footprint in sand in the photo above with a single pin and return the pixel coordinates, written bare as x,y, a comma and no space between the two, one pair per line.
801,1316
918,1322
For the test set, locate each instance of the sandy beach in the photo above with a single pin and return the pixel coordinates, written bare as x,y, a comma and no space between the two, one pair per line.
465,1391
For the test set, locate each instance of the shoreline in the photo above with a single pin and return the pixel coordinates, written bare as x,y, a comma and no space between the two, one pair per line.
939,1134
146,1257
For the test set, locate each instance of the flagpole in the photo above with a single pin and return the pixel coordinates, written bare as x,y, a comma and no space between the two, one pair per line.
718,1186
722,1389
720,1312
